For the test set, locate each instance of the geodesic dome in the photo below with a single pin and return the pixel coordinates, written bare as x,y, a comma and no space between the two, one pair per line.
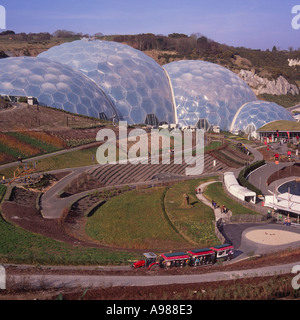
134,82
256,114
53,84
205,90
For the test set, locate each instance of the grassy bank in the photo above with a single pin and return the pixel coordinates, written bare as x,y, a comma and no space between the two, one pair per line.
137,220
72,159
195,222
154,219
23,247
215,192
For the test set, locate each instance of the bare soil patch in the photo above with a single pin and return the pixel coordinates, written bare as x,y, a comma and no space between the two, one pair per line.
289,171
269,155
83,182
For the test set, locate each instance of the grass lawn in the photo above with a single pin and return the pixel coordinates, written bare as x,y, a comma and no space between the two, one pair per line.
135,219
215,192
213,145
20,246
152,219
194,222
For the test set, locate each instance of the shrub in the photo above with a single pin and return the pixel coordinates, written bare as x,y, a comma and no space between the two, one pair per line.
245,172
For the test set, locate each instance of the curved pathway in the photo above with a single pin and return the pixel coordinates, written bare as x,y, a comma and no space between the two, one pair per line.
259,177
217,211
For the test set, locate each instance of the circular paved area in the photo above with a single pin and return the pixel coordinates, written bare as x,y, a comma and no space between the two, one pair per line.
272,237
260,238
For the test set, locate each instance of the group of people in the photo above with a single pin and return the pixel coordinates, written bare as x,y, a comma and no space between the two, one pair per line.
287,222
224,209
198,190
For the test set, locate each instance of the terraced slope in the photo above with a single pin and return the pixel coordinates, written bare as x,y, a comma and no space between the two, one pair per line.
110,175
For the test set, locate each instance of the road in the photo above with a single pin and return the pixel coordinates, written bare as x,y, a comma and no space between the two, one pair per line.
94,281
291,109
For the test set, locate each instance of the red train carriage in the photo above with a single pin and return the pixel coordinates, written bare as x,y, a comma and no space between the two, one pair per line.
201,257
223,252
176,259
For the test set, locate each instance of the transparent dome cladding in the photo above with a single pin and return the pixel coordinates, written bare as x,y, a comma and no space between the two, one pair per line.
205,90
134,82
54,85
256,114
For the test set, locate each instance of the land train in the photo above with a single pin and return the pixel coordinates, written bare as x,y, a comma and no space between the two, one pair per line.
193,258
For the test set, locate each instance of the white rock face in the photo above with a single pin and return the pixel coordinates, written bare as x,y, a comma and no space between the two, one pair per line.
293,62
261,85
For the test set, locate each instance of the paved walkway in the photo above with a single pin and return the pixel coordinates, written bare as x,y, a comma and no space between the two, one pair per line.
259,177
257,157
52,206
217,211
93,281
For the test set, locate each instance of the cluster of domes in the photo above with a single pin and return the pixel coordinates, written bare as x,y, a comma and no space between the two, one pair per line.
134,82
112,80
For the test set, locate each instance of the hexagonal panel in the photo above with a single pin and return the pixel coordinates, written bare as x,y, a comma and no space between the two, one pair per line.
258,114
127,76
54,85
215,89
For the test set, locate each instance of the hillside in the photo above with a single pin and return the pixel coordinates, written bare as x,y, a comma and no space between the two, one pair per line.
270,65
28,131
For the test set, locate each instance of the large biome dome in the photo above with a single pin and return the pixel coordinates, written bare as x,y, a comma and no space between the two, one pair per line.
54,85
254,115
205,90
134,82
106,79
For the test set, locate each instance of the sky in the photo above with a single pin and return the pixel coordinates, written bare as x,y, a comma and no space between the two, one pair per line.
256,24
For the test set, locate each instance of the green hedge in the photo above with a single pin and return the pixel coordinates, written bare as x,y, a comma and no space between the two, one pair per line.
245,172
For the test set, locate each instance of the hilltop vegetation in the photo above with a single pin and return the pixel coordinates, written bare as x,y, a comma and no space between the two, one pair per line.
176,46
269,64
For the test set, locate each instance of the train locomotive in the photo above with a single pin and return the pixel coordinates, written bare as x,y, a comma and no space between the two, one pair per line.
193,258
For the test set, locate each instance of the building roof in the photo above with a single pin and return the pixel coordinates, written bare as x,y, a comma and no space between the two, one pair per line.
285,201
233,186
281,126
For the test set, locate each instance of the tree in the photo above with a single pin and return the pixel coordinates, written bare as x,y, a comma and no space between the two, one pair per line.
177,35
98,34
63,34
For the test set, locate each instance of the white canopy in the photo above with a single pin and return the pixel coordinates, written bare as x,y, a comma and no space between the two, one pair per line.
285,201
237,190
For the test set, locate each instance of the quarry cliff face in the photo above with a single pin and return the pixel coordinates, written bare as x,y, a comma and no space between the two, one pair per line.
260,85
